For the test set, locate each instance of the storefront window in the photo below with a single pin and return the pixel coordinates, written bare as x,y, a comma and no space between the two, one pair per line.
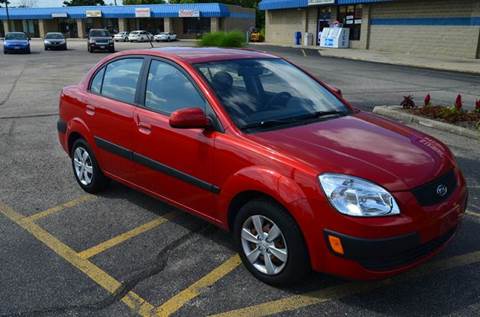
351,17
196,25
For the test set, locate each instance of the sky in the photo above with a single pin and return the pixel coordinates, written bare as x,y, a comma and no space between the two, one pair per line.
51,3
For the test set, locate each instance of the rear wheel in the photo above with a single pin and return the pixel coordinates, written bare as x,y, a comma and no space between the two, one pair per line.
86,169
270,243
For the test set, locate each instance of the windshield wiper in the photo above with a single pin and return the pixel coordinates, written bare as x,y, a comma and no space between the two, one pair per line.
307,116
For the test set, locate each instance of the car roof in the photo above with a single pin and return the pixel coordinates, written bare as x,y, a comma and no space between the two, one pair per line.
201,54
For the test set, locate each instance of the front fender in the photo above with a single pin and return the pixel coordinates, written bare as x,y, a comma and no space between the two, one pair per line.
269,182
285,191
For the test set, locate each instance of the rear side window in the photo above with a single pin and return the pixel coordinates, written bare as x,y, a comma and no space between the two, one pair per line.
121,78
96,86
168,89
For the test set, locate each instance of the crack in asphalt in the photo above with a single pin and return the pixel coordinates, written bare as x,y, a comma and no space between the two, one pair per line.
152,269
7,97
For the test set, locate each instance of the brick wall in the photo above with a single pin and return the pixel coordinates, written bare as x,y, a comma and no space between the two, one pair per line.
427,40
281,25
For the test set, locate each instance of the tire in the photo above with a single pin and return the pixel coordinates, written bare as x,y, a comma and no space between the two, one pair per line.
94,181
46,48
111,50
290,239
5,52
27,50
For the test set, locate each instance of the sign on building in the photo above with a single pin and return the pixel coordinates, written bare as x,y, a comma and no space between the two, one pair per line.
188,13
59,15
319,2
142,13
93,13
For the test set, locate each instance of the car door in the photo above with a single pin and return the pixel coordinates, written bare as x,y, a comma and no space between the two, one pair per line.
174,163
110,107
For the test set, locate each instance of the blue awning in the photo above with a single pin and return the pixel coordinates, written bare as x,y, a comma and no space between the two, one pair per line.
156,10
282,4
289,4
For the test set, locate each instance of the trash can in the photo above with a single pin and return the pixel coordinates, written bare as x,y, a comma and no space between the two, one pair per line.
298,38
308,39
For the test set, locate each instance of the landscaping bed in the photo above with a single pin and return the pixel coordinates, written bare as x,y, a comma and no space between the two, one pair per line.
454,114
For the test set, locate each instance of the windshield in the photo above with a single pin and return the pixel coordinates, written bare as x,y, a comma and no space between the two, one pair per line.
99,33
269,92
54,36
15,36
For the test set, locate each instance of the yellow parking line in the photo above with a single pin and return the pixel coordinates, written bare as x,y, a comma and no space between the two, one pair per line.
132,300
177,301
53,210
316,297
99,248
471,213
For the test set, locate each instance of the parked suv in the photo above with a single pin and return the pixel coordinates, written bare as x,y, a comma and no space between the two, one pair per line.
255,145
100,39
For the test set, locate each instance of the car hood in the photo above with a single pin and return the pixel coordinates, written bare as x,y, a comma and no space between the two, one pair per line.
366,146
16,42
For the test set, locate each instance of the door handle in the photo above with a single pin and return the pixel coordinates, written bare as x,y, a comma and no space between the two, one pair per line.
90,110
144,128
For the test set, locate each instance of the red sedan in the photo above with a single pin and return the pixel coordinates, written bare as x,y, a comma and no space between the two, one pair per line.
257,146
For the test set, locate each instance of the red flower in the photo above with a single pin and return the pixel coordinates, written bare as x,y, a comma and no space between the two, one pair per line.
427,100
477,105
458,103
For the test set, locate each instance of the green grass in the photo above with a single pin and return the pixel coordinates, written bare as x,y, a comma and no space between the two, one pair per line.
223,39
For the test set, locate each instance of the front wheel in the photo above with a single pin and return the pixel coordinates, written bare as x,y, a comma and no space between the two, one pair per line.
86,169
270,243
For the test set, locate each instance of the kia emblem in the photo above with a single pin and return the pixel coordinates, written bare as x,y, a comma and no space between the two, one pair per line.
442,190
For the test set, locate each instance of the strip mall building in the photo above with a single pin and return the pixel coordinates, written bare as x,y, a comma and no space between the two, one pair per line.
444,28
186,20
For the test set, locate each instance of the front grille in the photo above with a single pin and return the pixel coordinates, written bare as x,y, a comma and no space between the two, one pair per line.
408,256
428,195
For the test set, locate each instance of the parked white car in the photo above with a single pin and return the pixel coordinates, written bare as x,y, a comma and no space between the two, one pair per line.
121,37
140,36
165,36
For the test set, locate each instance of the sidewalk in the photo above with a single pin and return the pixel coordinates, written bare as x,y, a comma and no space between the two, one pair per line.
448,64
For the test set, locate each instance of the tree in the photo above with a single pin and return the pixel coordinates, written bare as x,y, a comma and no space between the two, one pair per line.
72,3
126,2
27,3
4,2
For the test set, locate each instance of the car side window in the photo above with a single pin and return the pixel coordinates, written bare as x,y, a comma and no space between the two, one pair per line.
121,78
168,89
96,85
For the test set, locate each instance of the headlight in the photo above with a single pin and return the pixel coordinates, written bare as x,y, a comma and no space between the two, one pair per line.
46,42
358,197
91,41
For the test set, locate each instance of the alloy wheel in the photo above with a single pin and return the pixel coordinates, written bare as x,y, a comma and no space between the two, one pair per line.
264,244
83,166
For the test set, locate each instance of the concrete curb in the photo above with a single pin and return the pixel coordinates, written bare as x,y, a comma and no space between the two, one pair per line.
395,113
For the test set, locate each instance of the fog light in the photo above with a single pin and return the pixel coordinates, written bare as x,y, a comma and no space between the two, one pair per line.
335,244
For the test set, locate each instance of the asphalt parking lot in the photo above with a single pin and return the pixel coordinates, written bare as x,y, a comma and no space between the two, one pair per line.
122,253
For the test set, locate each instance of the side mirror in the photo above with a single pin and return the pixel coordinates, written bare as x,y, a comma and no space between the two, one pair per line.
335,90
189,118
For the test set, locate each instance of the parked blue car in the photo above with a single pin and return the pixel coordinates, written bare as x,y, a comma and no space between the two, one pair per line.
16,42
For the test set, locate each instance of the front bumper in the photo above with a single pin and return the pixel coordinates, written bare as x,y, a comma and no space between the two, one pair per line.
101,46
16,48
379,247
55,45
